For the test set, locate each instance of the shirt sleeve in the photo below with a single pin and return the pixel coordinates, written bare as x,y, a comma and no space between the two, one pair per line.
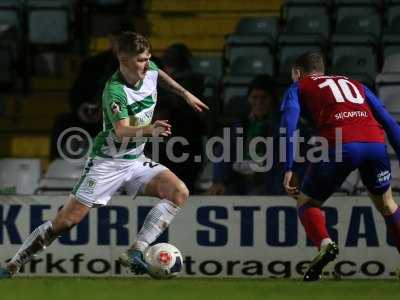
115,104
390,125
290,109
153,66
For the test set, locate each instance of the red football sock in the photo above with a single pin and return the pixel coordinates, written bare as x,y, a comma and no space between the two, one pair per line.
313,221
393,226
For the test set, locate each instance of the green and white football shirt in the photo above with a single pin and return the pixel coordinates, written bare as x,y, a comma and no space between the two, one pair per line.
121,101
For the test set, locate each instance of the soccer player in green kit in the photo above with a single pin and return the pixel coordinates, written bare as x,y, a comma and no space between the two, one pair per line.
117,158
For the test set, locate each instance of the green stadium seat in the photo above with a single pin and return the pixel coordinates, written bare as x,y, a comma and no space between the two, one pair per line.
390,50
236,52
307,2
356,2
305,11
10,37
358,62
390,39
9,17
7,70
357,25
235,86
390,71
255,31
107,2
288,55
393,18
48,22
252,65
311,25
389,93
208,65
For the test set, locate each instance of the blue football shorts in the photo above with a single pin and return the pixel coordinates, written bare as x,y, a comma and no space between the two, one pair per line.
322,179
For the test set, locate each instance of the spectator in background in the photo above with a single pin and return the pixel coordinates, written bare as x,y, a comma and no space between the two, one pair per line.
176,61
262,120
85,97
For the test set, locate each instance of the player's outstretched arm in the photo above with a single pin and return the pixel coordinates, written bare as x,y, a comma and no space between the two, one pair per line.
390,125
170,84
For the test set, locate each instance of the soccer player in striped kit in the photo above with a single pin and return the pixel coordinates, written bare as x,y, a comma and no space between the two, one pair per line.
117,159
335,103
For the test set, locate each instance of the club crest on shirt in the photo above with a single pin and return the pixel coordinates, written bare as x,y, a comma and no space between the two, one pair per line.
115,108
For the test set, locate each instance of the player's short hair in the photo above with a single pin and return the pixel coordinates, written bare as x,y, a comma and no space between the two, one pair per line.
132,43
310,62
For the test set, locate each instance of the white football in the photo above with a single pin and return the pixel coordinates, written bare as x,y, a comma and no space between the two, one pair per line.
164,260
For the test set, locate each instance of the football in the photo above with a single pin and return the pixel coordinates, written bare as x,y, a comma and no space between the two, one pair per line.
164,260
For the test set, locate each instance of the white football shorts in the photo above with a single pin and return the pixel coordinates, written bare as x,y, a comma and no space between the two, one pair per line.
102,178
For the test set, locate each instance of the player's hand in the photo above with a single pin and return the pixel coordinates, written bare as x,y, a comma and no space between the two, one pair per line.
291,185
216,189
161,128
195,102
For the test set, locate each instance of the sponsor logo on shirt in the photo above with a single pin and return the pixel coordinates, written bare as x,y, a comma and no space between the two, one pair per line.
115,108
383,176
351,114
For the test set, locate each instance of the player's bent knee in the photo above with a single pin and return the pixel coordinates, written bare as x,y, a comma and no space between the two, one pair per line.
180,194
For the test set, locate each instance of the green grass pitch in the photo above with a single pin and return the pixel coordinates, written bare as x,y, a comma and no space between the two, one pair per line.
193,289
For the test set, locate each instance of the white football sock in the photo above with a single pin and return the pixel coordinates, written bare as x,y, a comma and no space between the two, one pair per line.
157,220
325,242
35,243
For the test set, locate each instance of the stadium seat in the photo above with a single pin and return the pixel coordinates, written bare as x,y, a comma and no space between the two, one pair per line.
235,86
357,62
304,11
390,50
19,176
252,65
392,64
48,22
61,177
255,31
391,70
306,27
390,39
389,93
393,19
107,2
307,2
10,29
395,172
255,52
208,65
357,25
288,54
356,2
9,15
7,70
390,97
